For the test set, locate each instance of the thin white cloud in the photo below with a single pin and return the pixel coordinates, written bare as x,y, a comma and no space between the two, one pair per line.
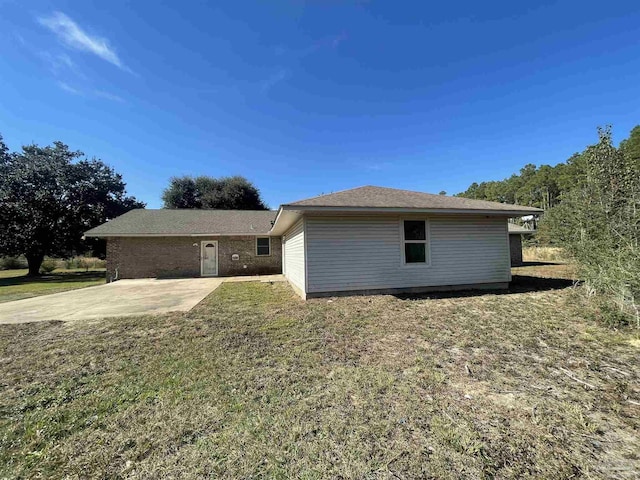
59,63
273,80
90,93
108,96
20,38
69,89
70,33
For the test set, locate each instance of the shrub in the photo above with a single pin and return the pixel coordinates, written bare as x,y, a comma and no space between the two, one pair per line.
99,263
12,263
48,265
85,263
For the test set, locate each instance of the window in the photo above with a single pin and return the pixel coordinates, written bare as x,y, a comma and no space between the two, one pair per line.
415,241
263,246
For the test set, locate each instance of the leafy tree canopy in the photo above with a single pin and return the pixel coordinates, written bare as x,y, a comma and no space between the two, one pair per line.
224,193
49,196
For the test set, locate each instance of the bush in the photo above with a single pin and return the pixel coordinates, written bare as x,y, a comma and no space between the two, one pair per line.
48,265
85,263
12,263
611,314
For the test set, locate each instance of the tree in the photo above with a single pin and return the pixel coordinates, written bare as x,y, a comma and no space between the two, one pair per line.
224,193
182,193
631,146
49,196
598,223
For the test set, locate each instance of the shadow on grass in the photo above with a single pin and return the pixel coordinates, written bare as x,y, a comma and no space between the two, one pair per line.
538,264
529,283
519,284
61,278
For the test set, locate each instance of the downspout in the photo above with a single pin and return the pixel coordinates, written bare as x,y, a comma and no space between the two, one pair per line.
112,278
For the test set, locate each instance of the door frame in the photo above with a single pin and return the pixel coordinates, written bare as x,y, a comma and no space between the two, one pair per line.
202,244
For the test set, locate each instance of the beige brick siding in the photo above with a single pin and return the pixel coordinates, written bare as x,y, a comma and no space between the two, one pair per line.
149,257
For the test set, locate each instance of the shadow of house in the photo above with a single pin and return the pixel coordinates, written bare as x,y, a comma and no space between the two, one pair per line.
66,277
519,284
539,264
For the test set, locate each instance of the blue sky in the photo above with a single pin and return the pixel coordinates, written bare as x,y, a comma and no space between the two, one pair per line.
309,97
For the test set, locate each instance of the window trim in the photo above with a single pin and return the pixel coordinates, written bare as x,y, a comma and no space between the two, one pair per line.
426,241
263,254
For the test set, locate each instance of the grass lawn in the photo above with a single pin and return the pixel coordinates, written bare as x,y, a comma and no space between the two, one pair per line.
15,285
255,383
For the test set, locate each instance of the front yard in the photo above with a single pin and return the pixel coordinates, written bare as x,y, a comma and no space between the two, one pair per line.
256,383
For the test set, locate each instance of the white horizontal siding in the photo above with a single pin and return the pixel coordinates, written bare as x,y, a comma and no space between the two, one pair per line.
351,253
294,261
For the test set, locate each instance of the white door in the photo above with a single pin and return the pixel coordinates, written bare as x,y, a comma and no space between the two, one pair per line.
209,259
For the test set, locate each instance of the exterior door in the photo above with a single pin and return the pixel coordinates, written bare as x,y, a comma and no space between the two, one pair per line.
209,259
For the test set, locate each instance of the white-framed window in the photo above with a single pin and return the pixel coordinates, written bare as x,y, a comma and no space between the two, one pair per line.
415,242
263,246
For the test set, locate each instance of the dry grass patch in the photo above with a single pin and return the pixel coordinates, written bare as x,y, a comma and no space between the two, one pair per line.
544,254
256,383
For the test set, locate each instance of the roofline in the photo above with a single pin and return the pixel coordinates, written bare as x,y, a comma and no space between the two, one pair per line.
486,211
275,220
197,210
105,235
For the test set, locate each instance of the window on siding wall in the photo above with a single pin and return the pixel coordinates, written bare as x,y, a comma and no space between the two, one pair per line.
415,241
263,246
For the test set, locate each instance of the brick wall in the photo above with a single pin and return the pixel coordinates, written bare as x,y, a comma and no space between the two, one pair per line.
245,248
150,257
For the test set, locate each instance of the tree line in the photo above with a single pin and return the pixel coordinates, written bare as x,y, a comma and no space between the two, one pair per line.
544,186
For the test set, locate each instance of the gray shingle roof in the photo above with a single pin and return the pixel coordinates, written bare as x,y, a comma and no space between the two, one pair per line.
382,197
186,222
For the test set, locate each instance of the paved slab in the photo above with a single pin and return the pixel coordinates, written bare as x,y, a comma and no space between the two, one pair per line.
121,298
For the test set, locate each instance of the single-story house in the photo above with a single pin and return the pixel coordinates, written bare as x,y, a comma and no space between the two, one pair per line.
516,232
364,240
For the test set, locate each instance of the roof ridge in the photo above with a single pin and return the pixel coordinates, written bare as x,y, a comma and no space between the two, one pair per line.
331,193
373,196
408,191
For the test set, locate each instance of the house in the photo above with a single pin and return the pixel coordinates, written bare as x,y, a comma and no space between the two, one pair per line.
516,232
145,243
364,240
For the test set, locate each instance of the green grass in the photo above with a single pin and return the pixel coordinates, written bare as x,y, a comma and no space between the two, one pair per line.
16,285
255,383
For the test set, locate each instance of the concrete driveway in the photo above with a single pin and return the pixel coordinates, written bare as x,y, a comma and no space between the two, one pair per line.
121,298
